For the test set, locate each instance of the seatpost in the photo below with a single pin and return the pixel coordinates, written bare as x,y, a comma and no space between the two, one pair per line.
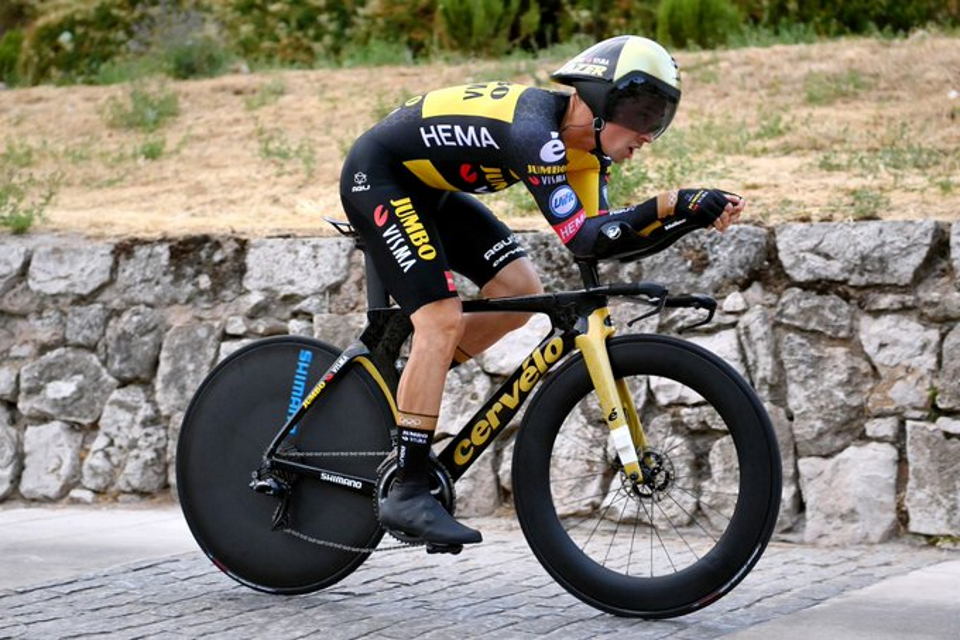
588,272
377,296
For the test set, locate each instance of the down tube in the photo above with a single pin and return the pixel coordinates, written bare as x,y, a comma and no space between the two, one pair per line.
487,423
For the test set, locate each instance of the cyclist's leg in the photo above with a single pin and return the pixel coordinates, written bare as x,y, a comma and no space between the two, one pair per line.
485,250
395,217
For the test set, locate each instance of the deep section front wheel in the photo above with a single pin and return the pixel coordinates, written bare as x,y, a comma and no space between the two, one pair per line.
228,426
703,513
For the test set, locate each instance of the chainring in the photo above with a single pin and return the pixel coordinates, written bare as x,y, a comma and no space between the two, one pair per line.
441,488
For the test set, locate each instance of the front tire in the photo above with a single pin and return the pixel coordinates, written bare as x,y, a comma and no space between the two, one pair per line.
699,523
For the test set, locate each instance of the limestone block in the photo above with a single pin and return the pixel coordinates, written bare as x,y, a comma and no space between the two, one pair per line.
809,311
187,354
884,429
64,269
51,460
129,453
755,331
66,384
86,325
10,458
133,344
296,266
710,262
790,495
955,251
851,498
826,391
9,375
948,380
144,274
857,253
173,437
949,425
905,354
13,259
933,482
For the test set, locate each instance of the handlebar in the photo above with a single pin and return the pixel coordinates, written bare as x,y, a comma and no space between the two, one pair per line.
665,301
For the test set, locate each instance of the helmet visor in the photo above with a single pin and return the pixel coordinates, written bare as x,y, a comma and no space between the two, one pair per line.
642,107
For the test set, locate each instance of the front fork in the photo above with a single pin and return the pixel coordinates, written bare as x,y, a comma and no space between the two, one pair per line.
613,394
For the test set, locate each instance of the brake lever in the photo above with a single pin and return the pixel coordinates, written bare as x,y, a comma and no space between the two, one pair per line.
658,305
695,301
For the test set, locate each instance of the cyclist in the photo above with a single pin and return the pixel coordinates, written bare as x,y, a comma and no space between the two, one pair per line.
404,187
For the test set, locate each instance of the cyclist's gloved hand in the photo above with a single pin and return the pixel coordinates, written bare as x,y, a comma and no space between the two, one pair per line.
706,206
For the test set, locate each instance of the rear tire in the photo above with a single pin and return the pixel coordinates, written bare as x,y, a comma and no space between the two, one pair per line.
232,419
689,535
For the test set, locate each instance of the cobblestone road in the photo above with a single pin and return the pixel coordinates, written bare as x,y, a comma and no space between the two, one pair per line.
496,590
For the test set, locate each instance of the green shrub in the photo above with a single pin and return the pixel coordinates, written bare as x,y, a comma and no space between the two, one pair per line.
16,14
836,17
478,26
23,199
10,45
292,33
145,108
702,23
91,40
407,25
72,39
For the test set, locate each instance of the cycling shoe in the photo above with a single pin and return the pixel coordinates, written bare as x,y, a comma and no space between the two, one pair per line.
420,515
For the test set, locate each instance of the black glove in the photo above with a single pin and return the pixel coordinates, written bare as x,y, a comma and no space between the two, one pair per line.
701,206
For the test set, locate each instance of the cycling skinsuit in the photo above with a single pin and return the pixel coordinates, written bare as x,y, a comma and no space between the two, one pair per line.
404,184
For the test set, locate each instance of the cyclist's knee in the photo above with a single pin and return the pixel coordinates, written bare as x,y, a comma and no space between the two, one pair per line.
441,321
519,278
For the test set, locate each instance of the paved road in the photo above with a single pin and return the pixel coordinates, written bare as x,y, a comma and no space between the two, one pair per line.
61,578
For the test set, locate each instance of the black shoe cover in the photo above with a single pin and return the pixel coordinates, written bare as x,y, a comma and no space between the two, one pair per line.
415,512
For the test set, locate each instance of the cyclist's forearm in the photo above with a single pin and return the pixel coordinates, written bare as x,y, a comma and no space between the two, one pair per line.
647,227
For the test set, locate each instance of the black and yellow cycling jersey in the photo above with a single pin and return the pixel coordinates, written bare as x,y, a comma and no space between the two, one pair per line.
482,138
403,181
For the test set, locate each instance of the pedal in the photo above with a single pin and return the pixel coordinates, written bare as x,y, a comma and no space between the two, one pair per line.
437,547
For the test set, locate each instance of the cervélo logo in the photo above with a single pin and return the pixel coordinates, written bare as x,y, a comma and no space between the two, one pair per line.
509,401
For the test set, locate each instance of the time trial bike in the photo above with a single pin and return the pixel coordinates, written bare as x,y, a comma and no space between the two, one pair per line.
646,474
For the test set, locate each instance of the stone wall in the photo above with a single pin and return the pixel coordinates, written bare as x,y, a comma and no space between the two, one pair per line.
848,331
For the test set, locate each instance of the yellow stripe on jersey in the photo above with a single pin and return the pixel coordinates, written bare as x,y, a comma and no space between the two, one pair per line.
428,174
583,174
495,100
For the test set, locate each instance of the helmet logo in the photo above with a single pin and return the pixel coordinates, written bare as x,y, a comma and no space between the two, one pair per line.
585,69
553,150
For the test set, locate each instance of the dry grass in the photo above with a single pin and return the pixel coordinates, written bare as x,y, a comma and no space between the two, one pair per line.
842,130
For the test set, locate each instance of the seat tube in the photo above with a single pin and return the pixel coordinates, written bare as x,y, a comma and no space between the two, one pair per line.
611,394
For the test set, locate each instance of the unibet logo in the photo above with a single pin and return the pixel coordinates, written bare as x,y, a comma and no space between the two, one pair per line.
563,201
533,368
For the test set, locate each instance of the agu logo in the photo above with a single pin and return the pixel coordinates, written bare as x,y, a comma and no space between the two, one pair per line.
563,201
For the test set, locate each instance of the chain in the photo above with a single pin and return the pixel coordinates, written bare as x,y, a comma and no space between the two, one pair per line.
337,545
345,547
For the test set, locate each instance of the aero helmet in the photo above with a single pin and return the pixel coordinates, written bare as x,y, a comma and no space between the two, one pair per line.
629,80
